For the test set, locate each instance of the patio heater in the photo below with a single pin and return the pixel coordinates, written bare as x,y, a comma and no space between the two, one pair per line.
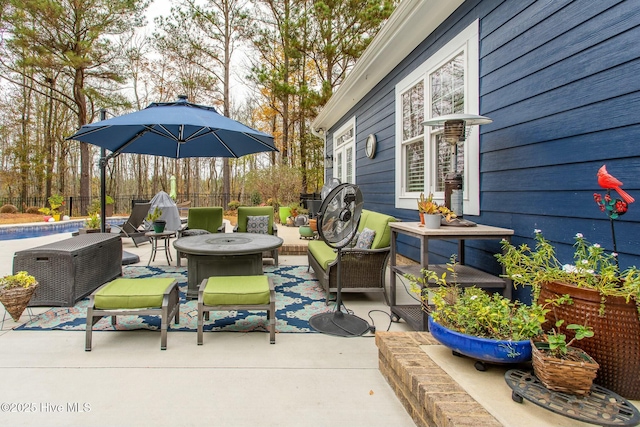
456,129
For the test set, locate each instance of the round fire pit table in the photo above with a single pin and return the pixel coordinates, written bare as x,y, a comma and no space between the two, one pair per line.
223,254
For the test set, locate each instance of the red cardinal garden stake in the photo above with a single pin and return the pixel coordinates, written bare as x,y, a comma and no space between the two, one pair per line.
609,182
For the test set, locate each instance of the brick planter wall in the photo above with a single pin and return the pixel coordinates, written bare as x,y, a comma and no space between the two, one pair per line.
430,396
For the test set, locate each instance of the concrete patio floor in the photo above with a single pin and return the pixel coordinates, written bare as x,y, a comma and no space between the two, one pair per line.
234,379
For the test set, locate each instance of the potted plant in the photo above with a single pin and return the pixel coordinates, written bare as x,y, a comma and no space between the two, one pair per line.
55,202
108,201
489,328
153,218
602,293
16,291
431,213
558,365
92,224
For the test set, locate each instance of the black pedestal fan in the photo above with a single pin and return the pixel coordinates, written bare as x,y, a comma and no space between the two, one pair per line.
337,225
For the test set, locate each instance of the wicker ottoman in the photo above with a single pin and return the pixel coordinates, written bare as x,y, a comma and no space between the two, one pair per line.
71,269
158,296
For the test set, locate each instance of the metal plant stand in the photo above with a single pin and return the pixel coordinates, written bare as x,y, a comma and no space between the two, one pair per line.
601,407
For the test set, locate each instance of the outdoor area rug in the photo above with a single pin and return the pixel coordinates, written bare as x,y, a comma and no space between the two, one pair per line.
298,297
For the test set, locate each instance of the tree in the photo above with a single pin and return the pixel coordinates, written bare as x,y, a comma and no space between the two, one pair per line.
74,38
344,30
214,29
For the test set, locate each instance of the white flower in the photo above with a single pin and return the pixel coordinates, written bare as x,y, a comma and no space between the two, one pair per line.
596,245
569,268
537,231
584,261
474,297
579,236
614,254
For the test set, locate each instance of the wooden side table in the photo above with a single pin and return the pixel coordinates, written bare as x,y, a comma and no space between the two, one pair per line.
165,236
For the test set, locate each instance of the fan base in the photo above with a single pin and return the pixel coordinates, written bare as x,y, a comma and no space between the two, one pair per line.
339,324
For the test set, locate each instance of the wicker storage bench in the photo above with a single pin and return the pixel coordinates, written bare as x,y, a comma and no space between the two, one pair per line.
71,269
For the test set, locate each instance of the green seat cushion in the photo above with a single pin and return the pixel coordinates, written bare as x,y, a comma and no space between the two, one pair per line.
322,252
122,294
236,290
380,224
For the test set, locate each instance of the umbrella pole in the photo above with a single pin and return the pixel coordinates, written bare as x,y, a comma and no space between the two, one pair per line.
103,184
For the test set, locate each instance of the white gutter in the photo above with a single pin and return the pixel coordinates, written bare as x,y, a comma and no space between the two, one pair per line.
407,27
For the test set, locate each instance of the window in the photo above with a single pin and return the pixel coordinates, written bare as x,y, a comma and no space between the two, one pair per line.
446,83
344,152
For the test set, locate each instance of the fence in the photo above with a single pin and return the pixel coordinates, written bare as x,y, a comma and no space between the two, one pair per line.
121,204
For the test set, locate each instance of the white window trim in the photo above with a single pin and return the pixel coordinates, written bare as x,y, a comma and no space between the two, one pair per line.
351,123
467,40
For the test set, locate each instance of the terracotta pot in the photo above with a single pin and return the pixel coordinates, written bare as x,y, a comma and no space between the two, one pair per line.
616,341
313,223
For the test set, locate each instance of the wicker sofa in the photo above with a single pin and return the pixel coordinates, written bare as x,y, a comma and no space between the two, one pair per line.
363,270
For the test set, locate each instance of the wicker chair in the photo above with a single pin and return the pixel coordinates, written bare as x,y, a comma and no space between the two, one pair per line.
245,211
363,270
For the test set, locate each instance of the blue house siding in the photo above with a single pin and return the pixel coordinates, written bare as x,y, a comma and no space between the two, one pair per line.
563,94
561,81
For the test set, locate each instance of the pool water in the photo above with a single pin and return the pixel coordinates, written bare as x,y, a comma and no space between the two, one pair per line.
22,231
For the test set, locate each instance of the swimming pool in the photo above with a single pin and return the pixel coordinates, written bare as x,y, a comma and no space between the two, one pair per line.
26,231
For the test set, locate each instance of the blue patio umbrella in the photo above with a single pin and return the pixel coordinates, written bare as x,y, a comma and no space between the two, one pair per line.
177,129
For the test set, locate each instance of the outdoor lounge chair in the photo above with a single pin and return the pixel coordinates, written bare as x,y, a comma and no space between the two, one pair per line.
201,221
243,226
132,226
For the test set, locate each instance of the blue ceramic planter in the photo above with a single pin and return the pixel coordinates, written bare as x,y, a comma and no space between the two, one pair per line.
484,349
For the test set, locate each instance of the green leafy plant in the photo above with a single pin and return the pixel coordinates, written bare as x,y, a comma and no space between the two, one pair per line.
558,344
473,311
154,215
55,201
233,205
593,268
20,279
93,221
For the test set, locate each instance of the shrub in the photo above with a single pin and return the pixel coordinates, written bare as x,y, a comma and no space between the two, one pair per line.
32,210
256,198
233,205
8,209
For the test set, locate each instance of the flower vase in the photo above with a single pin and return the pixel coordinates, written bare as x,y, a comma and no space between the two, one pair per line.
432,220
